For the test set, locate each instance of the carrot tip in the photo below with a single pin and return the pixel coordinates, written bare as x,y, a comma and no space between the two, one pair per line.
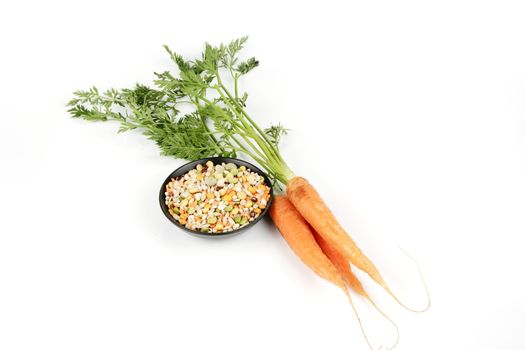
390,320
381,347
429,302
358,318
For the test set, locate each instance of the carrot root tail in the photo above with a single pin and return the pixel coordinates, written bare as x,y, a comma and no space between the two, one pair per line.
389,319
429,302
358,318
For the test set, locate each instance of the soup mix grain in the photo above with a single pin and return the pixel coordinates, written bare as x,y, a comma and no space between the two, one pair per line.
217,198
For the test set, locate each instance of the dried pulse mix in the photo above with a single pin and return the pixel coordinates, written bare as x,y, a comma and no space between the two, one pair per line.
217,198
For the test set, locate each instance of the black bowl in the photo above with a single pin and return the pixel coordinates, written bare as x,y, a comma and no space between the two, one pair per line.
216,160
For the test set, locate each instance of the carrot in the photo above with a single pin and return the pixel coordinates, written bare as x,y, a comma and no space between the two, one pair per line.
308,202
300,238
311,206
341,264
351,279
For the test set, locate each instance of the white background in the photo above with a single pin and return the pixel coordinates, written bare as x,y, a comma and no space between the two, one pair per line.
408,117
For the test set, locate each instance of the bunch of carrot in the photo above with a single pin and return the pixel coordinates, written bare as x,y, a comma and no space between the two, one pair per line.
218,124
316,237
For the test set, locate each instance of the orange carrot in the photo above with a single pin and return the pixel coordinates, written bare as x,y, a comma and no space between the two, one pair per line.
299,237
341,264
308,202
311,206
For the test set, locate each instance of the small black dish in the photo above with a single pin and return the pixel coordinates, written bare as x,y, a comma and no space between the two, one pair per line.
216,160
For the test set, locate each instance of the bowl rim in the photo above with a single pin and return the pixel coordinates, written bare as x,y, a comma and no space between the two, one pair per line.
183,169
